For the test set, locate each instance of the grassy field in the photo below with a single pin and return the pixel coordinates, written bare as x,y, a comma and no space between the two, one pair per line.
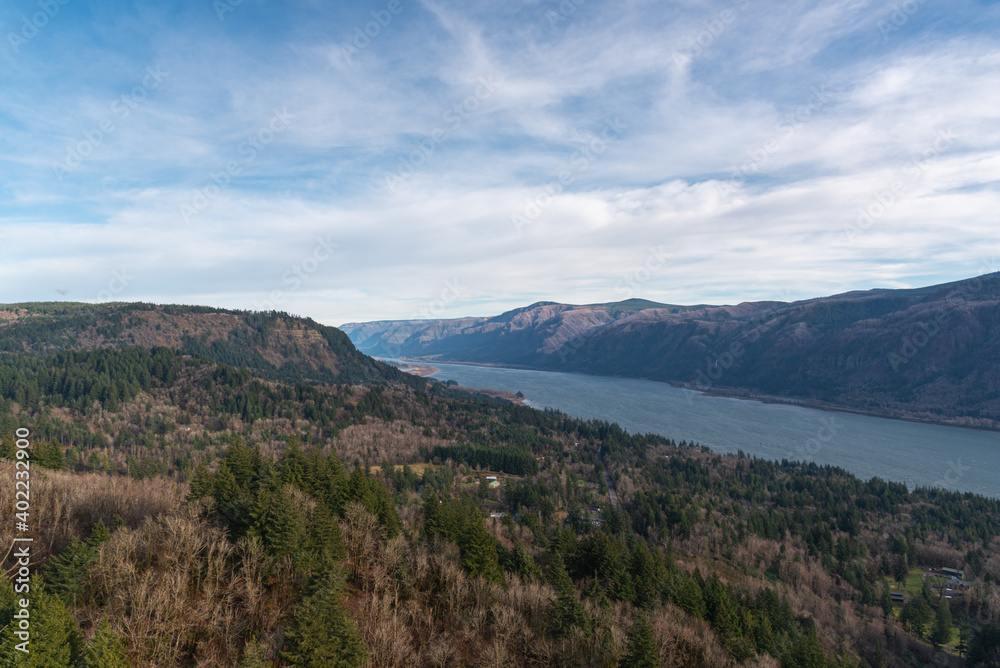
913,586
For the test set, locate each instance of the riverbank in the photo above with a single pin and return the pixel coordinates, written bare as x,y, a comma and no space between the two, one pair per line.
984,424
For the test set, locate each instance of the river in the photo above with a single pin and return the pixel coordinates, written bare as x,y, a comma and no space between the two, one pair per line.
917,454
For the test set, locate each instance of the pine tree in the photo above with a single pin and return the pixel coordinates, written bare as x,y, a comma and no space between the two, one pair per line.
806,651
566,611
688,595
65,572
105,650
55,639
432,513
641,651
7,449
321,634
477,548
941,633
278,523
254,656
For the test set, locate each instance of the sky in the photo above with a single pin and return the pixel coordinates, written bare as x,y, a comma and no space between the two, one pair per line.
420,158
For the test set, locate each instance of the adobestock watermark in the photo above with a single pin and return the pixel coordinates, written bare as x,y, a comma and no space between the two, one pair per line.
563,12
120,109
578,163
30,27
926,331
956,471
117,284
656,259
712,28
899,17
425,147
203,196
223,7
909,173
300,272
363,35
630,282
435,308
827,431
784,129
717,364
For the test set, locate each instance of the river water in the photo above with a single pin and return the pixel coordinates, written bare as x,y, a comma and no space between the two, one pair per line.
966,460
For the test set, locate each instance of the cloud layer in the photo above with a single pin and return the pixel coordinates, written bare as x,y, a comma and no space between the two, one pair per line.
392,159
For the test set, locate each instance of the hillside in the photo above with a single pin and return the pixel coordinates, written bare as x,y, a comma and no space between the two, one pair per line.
274,345
930,354
186,512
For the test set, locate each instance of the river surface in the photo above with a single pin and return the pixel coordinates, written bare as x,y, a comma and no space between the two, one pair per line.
917,454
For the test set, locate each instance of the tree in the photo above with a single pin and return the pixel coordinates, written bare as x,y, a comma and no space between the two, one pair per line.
984,650
278,522
566,611
254,656
688,595
55,639
941,633
105,650
916,614
65,572
641,651
900,570
806,651
321,634
478,549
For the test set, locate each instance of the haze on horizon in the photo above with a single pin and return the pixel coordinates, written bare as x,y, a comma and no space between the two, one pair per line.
400,158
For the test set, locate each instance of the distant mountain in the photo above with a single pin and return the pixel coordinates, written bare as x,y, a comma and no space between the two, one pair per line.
930,353
274,345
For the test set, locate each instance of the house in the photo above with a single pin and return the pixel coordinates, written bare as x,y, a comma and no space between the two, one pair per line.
897,596
953,572
497,515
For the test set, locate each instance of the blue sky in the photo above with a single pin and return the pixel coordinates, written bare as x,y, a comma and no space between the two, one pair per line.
408,158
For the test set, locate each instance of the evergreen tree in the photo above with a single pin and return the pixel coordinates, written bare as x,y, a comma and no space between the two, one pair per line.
65,572
55,639
105,650
941,633
278,523
984,650
7,449
432,513
478,549
49,454
806,651
688,595
566,611
254,656
641,651
321,633
99,534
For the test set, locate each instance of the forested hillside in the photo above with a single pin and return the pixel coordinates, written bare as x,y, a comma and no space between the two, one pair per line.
929,354
274,345
188,512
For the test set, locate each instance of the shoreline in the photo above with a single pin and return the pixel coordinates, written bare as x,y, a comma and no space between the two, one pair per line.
743,394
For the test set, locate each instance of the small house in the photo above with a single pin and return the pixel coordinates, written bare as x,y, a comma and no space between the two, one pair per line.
897,597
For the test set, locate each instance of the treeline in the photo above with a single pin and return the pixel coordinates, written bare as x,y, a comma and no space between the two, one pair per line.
508,459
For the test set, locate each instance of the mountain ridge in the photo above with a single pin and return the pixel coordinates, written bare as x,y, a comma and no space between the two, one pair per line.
928,353
275,345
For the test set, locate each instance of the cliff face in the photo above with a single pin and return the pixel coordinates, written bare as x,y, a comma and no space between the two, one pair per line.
931,353
274,345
